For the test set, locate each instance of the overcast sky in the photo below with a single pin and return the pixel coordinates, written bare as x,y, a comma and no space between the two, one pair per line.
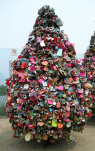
17,18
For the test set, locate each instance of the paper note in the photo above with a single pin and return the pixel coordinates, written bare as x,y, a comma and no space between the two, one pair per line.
20,74
39,39
54,124
59,125
56,60
50,102
47,49
28,137
60,88
44,63
42,44
32,68
58,105
46,68
67,114
80,91
67,120
19,106
30,125
32,59
67,43
40,123
59,52
82,74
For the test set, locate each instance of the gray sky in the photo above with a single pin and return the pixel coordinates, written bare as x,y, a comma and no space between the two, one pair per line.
17,18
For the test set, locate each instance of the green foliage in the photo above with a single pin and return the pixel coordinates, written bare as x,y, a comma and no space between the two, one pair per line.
2,110
3,90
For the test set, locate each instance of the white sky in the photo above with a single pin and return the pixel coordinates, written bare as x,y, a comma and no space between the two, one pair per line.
17,18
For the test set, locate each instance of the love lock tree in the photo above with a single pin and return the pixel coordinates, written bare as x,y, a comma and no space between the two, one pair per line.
89,65
46,98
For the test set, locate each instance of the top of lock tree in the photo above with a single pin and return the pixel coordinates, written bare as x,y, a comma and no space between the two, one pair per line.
91,49
46,37
92,43
47,17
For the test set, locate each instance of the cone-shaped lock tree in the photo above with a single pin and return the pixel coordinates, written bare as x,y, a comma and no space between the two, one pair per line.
89,65
45,94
